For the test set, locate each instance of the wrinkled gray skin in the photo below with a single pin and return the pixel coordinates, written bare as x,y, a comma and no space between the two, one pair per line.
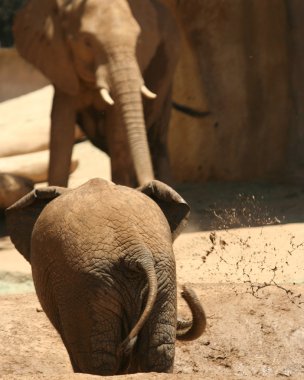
104,272
117,46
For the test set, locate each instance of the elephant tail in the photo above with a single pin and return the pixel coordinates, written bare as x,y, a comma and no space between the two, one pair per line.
146,264
191,329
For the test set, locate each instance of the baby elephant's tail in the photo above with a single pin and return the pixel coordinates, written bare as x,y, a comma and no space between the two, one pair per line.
191,329
146,264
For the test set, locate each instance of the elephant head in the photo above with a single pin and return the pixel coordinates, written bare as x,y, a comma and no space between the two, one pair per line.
104,272
98,45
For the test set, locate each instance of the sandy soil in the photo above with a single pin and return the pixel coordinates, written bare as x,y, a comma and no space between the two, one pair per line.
243,252
246,336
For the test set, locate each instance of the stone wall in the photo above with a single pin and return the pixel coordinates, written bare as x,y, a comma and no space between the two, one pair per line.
250,65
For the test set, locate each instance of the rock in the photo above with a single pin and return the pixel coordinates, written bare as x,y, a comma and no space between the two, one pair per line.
12,188
28,129
33,166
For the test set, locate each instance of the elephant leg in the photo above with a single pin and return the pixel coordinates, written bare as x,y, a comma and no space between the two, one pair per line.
63,118
49,304
92,343
158,142
133,365
156,342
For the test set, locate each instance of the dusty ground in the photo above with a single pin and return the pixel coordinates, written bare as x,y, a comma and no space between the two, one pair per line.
243,253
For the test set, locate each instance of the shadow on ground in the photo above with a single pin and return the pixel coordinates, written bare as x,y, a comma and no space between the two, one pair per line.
218,206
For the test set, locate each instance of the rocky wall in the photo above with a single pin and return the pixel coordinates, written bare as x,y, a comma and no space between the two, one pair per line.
250,65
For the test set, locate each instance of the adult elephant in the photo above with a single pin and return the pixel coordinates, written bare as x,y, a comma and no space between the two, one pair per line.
102,57
104,272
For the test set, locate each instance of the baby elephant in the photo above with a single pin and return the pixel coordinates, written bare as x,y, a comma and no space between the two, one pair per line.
104,272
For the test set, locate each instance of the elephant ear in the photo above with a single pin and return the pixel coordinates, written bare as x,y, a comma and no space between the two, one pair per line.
40,40
174,207
22,215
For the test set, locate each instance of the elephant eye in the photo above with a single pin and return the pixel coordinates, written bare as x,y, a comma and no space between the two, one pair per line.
87,42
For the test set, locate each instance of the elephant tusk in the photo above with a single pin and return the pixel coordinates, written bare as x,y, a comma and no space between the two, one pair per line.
106,96
146,92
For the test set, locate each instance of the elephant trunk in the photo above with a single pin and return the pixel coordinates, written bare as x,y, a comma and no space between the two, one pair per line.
187,329
126,82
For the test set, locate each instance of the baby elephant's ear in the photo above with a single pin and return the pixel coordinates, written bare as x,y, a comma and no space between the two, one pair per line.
174,207
22,215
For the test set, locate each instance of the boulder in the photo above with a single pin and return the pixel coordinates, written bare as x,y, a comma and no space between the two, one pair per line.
33,166
28,129
12,188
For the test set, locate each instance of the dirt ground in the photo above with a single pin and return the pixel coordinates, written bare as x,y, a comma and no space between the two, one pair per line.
243,253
